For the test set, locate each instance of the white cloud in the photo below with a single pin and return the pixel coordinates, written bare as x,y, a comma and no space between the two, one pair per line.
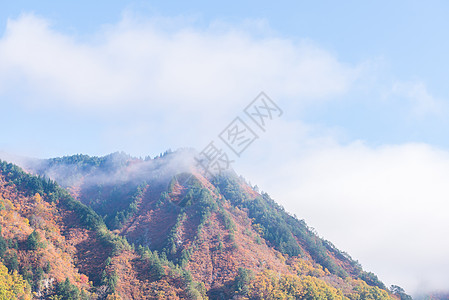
420,101
386,206
142,62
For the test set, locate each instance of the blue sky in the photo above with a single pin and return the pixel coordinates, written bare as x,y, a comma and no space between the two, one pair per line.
404,42
363,87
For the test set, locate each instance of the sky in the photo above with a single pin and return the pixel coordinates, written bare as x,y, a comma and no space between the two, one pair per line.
360,150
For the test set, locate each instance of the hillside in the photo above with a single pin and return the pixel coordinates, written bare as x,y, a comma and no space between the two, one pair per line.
135,228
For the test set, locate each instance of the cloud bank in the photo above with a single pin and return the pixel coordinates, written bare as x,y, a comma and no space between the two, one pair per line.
385,205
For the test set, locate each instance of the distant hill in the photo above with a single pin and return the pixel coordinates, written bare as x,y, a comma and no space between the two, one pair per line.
130,228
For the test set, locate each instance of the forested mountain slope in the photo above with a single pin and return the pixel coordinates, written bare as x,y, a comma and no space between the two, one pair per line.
157,228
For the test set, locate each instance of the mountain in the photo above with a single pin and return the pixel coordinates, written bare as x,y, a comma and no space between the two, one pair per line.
120,227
